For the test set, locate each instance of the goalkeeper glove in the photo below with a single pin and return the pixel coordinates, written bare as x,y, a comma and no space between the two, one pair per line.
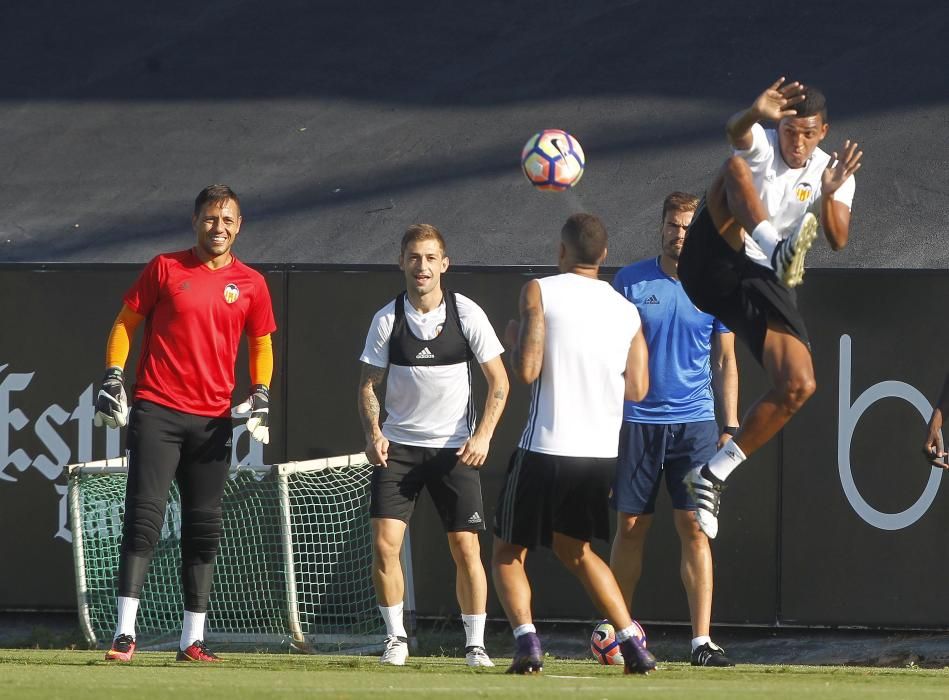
258,405
112,406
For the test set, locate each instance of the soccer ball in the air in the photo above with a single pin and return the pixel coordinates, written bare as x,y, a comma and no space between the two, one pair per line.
552,160
604,646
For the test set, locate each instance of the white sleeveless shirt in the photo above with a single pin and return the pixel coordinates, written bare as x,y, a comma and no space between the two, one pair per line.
577,401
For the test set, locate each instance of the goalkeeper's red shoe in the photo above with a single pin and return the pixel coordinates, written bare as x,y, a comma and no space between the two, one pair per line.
197,652
122,649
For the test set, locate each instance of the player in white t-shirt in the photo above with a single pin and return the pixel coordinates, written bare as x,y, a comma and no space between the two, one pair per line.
426,338
746,248
580,346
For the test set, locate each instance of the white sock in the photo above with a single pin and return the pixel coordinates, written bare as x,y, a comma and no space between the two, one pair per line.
699,641
726,460
474,629
192,629
524,629
625,633
766,236
393,619
128,611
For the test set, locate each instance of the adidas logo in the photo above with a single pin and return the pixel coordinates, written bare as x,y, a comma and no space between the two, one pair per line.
426,354
651,299
475,518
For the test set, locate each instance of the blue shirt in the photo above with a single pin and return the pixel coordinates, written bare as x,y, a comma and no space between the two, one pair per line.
679,337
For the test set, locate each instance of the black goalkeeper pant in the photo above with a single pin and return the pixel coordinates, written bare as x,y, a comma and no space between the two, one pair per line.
165,444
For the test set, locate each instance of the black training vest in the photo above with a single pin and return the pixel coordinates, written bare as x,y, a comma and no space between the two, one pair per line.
449,347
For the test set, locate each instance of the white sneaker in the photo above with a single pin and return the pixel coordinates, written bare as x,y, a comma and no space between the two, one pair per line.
788,257
706,492
396,651
477,657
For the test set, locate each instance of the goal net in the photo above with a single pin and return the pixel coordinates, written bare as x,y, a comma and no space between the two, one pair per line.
293,569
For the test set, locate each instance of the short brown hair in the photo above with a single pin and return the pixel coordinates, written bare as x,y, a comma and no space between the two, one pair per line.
215,193
585,235
423,232
678,201
813,104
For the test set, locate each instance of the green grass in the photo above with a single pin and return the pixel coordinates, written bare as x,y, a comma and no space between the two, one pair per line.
83,674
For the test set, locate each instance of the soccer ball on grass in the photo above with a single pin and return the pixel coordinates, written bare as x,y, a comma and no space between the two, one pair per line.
604,646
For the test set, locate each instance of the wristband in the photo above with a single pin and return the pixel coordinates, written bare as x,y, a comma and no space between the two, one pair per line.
730,430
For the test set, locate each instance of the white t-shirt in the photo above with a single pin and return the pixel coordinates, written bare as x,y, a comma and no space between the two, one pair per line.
577,401
430,406
787,193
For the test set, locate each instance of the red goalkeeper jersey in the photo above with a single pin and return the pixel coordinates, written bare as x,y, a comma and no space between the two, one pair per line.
194,318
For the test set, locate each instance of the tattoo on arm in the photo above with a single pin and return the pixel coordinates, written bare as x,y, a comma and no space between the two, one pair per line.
369,380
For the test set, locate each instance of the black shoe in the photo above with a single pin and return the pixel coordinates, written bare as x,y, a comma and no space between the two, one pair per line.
636,658
528,655
710,654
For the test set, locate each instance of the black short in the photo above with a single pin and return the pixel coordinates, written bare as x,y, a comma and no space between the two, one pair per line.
455,488
727,284
165,445
544,494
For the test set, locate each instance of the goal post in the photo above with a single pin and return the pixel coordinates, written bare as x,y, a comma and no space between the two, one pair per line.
294,568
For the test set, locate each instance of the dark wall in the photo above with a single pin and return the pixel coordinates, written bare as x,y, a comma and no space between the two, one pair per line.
340,122
792,548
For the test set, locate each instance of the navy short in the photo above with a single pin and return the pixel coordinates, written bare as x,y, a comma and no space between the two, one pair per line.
544,494
736,290
646,451
455,488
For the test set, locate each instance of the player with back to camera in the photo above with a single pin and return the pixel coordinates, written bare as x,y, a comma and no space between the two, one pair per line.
196,304
745,251
578,344
425,339
692,368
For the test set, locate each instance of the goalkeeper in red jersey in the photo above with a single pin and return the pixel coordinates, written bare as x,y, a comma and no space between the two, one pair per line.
196,304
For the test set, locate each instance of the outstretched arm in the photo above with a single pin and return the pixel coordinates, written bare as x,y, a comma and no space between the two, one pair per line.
475,450
525,339
725,382
934,447
834,215
367,400
775,103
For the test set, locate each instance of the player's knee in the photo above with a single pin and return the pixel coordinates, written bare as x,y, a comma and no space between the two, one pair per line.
200,534
465,550
386,551
144,518
687,527
632,528
797,389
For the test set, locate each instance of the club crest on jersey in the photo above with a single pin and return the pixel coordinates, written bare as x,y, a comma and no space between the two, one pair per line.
803,192
231,292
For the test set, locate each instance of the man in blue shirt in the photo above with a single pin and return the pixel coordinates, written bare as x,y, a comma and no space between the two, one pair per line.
673,430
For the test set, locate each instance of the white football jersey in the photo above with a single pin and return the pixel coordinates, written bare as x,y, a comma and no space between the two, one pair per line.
787,193
430,406
577,401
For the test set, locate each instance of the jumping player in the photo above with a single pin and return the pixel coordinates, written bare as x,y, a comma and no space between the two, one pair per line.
746,248
426,338
196,304
580,347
